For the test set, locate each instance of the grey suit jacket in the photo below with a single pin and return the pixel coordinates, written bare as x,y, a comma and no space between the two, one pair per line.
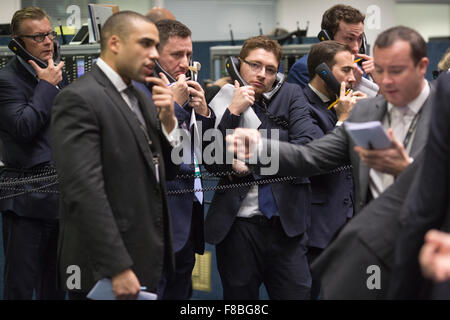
336,149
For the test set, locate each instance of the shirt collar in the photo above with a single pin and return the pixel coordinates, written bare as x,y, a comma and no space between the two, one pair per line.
322,97
112,75
417,103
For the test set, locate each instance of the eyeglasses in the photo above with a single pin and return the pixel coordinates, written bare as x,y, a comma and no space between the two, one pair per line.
41,36
256,67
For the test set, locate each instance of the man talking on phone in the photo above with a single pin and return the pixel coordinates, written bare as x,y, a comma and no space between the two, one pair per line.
30,220
259,226
186,209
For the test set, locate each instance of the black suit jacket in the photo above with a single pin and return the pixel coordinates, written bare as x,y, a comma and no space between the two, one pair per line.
332,193
113,211
25,110
427,205
294,211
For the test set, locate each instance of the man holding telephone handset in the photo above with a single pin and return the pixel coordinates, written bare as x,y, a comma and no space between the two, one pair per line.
27,91
187,209
344,24
259,228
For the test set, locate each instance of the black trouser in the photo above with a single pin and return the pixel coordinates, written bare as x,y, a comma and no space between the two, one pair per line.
30,247
255,251
179,286
313,253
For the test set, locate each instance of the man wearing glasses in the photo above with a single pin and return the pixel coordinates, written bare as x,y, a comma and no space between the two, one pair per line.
30,220
259,228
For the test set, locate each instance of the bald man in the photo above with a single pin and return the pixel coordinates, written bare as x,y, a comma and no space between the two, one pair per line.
156,14
112,152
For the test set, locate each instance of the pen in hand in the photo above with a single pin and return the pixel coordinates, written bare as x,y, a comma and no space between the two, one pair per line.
337,100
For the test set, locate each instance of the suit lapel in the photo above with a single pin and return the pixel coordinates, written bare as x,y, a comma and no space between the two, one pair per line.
421,132
117,101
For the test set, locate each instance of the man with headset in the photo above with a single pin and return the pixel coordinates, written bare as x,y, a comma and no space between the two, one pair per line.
344,24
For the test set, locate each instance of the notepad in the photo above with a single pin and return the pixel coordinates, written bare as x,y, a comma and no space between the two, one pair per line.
103,291
369,135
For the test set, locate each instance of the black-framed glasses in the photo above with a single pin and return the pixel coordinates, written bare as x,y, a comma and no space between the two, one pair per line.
41,36
257,67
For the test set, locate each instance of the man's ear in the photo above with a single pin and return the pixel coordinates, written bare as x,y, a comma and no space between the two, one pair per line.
114,44
423,65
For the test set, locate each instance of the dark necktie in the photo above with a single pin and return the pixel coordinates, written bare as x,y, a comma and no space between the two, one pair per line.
130,91
266,200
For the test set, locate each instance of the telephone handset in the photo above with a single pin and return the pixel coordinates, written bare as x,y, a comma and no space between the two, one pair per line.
325,35
17,47
192,73
233,64
323,71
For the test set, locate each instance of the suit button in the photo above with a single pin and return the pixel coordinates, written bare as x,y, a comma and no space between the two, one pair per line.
346,201
242,196
349,176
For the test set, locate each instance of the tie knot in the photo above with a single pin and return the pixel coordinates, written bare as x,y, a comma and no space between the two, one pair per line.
129,91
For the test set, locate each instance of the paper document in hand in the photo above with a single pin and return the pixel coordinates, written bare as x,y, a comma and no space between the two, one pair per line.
103,291
369,135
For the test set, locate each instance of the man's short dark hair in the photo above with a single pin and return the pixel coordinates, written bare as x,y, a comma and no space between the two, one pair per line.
324,51
119,24
262,42
415,40
33,13
171,28
337,13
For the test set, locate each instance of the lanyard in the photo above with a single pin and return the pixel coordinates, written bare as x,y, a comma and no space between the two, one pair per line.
411,129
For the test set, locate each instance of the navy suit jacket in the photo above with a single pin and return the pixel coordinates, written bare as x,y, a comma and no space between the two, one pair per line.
25,109
293,198
332,194
181,205
299,72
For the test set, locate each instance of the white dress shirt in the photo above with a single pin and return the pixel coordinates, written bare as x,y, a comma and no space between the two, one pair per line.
401,118
121,86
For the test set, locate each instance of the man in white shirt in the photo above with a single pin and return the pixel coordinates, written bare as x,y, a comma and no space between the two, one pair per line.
112,152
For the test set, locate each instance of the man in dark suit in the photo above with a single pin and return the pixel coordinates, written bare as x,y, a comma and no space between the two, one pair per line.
30,221
259,228
404,108
186,209
112,154
332,193
427,207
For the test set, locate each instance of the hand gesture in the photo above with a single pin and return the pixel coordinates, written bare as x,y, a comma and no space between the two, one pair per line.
434,257
180,90
391,160
197,98
163,100
51,74
243,98
346,102
243,143
368,64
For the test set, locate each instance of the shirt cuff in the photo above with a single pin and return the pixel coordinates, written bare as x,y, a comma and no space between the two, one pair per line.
339,123
174,136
